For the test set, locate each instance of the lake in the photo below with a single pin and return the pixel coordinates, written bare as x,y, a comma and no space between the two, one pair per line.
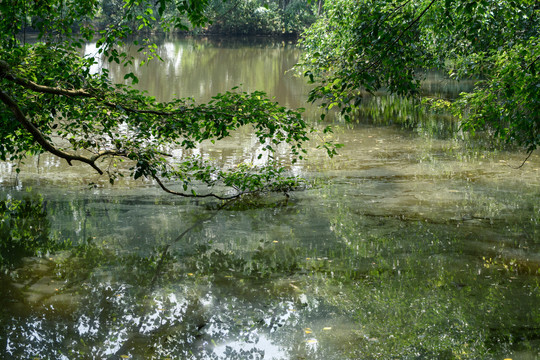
415,242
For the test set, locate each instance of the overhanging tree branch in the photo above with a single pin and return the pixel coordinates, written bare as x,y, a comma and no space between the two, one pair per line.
41,140
6,73
375,64
69,157
413,23
121,122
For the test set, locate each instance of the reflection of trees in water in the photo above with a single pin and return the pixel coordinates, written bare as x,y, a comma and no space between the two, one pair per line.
24,230
412,286
161,304
421,287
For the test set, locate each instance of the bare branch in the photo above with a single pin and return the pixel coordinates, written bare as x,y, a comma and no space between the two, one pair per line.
108,153
524,161
167,190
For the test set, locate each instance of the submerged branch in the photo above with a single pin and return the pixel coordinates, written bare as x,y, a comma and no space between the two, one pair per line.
172,192
158,271
524,161
179,237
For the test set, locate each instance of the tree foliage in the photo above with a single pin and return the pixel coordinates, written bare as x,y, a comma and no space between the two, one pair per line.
260,17
51,101
216,16
372,45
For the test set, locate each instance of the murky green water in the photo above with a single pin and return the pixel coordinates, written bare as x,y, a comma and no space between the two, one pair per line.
411,244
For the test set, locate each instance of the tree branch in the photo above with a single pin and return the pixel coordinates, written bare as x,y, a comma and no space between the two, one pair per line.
413,23
41,140
524,161
167,190
39,137
110,153
532,63
6,73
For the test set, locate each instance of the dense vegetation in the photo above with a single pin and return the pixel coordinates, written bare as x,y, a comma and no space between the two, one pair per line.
260,17
360,47
233,17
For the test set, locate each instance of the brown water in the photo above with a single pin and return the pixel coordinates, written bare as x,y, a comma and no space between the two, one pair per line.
411,244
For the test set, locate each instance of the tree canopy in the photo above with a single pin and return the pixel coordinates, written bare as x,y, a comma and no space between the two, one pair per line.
361,46
52,102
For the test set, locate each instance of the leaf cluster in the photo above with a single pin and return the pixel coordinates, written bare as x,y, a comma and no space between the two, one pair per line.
508,102
367,46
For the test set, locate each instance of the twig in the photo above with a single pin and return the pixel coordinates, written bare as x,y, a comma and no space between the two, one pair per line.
179,237
532,63
167,190
523,163
5,72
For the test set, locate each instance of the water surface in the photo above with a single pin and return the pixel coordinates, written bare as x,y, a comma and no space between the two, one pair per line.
410,244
